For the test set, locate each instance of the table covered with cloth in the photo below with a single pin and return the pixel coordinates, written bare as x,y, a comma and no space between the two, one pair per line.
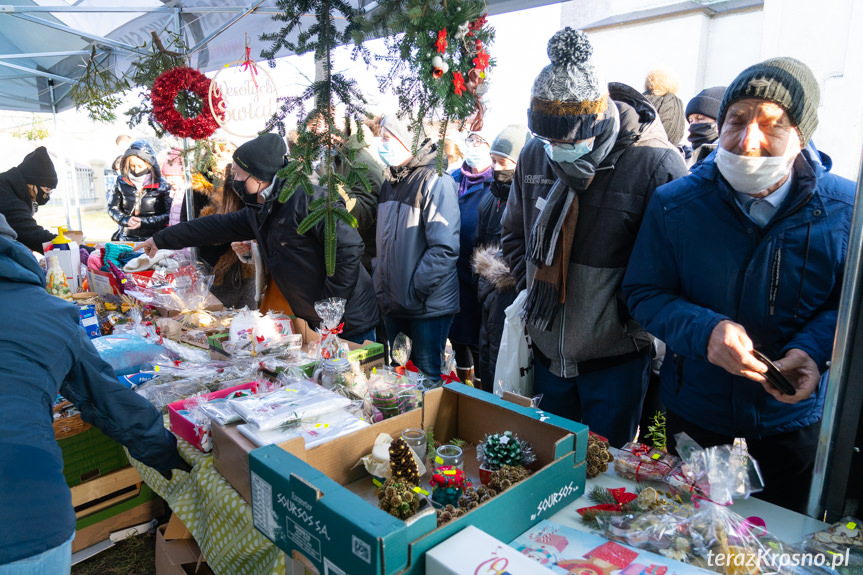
216,516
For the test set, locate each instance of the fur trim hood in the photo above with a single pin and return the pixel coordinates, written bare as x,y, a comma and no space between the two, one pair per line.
488,264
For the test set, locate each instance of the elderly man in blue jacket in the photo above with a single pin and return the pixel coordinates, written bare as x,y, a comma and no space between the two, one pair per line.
747,253
44,351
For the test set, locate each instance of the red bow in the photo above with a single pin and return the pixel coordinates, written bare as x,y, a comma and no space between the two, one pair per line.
334,331
409,366
620,495
451,378
249,64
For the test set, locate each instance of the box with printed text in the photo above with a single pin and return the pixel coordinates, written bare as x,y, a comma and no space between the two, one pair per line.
320,508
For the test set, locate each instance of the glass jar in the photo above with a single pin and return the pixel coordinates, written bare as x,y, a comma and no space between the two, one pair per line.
449,456
416,440
336,372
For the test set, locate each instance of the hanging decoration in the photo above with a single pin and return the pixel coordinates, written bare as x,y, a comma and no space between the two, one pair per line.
441,61
183,105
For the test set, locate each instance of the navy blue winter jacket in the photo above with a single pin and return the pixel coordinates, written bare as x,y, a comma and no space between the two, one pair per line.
44,351
699,260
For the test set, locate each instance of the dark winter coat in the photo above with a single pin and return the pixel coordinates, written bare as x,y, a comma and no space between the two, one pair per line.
152,205
496,292
17,205
594,323
699,260
417,240
465,325
44,352
294,261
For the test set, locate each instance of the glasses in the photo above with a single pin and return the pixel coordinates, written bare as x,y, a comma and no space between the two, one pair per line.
475,141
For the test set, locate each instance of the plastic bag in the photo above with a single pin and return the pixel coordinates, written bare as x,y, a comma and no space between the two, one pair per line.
706,532
331,311
130,353
252,334
640,462
393,394
315,430
841,544
514,369
299,399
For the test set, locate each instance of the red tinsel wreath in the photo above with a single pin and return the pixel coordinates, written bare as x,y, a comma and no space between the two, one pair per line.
164,95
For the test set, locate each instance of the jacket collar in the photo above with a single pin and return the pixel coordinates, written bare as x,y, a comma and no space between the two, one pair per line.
638,120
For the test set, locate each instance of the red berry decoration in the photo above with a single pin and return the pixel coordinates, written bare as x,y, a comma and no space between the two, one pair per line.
164,96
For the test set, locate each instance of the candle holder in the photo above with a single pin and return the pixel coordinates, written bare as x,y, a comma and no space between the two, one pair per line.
416,440
449,456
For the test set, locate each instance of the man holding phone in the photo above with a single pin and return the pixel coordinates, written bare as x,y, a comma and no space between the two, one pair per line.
746,255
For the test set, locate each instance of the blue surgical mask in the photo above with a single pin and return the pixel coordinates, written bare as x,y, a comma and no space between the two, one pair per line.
478,157
567,153
393,154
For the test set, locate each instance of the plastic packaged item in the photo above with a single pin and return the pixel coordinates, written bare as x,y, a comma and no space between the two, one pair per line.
331,311
640,462
706,532
133,380
392,394
130,353
300,399
841,543
56,282
314,430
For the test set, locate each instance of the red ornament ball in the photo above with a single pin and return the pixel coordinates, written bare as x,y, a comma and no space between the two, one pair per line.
164,96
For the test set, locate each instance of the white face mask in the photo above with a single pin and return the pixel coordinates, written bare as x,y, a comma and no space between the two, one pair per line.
393,153
749,175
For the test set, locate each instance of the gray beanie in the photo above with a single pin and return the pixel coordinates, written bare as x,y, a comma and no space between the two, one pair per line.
510,142
397,128
568,101
786,82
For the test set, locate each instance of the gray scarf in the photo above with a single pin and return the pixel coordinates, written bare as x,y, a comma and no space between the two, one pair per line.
556,224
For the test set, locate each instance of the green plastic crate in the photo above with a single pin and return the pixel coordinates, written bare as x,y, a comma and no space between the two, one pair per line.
90,454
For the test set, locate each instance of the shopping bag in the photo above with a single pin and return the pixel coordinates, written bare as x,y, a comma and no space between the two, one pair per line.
514,369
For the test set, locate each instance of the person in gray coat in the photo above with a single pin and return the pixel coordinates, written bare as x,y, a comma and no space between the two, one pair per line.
417,247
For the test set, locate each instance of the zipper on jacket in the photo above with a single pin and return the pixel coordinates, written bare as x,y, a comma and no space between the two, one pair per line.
803,271
774,279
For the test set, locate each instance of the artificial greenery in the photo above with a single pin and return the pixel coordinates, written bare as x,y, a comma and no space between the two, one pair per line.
656,431
505,448
438,50
319,138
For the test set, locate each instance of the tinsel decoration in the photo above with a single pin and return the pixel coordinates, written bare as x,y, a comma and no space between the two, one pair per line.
505,448
197,120
598,455
398,498
402,465
507,476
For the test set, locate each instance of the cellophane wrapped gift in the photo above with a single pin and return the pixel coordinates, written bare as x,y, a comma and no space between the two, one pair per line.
706,532
640,462
297,400
841,544
331,311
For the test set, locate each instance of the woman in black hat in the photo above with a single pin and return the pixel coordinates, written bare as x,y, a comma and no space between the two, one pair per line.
22,190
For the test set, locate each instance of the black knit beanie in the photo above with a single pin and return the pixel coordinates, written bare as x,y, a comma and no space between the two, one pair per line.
263,156
706,102
786,82
38,169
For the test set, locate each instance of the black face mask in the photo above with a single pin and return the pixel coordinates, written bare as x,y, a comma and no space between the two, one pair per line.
703,133
138,174
42,197
502,181
239,187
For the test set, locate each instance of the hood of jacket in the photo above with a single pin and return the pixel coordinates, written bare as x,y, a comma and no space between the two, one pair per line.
487,262
141,149
638,120
425,156
18,265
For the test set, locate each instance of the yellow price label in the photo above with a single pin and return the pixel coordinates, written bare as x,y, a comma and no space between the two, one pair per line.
322,425
438,460
449,472
420,491
376,482
851,525
657,455
156,368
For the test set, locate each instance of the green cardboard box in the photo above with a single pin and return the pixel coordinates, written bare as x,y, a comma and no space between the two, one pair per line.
320,509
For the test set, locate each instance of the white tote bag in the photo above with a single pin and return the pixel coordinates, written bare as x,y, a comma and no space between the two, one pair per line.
514,369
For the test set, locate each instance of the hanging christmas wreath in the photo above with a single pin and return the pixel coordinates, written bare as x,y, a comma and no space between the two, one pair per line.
441,60
181,103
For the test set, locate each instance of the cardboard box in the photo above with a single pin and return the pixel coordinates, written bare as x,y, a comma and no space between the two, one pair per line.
316,505
231,457
474,551
178,556
191,432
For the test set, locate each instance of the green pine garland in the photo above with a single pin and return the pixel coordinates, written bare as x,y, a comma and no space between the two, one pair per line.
318,135
418,31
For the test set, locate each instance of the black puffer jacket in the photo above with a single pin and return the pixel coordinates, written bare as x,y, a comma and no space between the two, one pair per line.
16,205
294,261
496,291
152,203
